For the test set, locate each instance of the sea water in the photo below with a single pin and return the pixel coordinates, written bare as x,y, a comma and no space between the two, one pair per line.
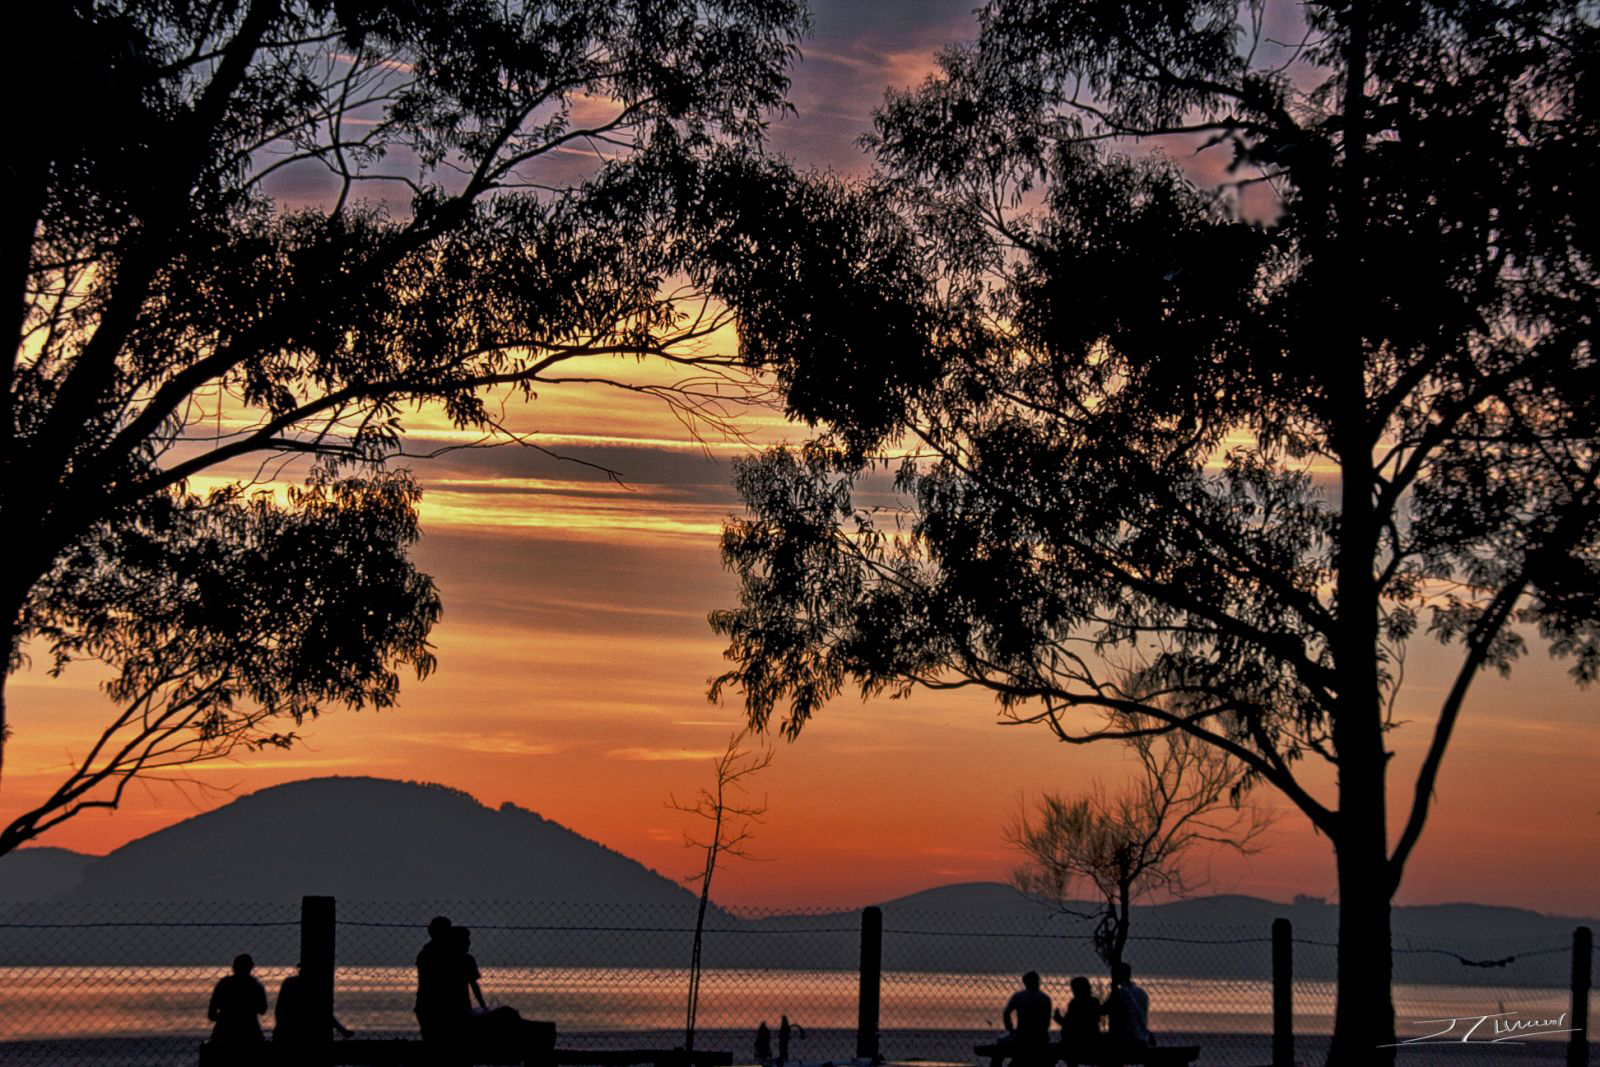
94,1002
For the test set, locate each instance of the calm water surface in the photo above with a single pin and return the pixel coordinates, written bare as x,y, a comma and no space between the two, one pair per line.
54,1002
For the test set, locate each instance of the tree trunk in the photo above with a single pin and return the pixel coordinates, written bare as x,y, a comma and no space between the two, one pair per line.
693,1010
1364,1017
1364,1013
1120,942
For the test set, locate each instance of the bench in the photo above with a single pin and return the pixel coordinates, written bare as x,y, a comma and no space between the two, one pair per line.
1051,1054
633,1057
409,1052
536,1048
365,1052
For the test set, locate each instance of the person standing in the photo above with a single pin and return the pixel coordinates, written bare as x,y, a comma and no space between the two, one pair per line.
763,1049
441,994
786,1030
468,976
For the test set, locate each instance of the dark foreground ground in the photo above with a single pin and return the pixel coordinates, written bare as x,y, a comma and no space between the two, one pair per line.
818,1048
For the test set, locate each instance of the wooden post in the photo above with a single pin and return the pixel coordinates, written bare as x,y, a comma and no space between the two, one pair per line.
316,970
1582,979
1282,993
871,984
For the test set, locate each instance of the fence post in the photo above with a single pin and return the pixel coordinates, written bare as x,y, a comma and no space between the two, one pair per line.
316,972
1582,956
871,984
1282,993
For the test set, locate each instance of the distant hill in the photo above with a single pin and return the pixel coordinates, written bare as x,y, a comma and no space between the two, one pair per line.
539,895
40,873
369,839
391,853
993,900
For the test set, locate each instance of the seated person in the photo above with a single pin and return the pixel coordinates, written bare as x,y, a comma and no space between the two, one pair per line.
1027,1022
1080,1026
236,1001
294,1027
1127,1013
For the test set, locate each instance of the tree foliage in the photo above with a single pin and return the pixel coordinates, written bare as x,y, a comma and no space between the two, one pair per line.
254,231
1247,425
231,620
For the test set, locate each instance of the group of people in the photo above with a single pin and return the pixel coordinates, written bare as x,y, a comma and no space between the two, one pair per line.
1028,1013
453,1015
763,1047
451,1011
239,1000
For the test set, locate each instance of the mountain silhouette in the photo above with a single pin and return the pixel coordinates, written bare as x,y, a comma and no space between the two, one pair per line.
370,839
40,873
997,902
394,853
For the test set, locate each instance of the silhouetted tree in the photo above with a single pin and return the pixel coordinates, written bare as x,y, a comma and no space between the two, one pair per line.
1126,846
1263,421
731,827
257,230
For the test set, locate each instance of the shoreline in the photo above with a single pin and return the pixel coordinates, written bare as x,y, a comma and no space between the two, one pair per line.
820,1048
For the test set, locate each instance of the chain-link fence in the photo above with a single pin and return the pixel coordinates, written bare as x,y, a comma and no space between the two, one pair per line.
126,984
129,984
1451,991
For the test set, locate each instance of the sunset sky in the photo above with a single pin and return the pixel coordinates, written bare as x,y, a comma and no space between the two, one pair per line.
574,657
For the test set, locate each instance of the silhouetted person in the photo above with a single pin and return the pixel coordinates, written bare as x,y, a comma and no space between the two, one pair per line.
1027,1022
1127,1013
787,1030
442,1005
1080,1026
467,975
236,1004
763,1049
295,1025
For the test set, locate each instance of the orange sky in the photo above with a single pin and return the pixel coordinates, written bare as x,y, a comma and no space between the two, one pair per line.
574,656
